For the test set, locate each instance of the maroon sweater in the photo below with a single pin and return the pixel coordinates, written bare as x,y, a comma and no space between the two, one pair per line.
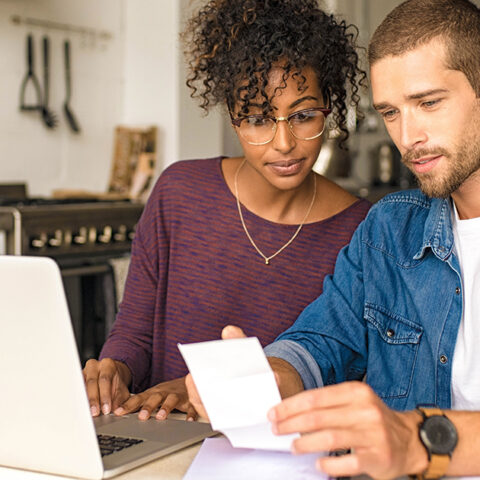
193,271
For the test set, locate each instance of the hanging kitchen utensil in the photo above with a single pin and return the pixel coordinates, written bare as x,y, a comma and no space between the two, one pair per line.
72,121
49,118
30,77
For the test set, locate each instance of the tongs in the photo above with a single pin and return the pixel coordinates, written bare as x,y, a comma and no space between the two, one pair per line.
30,77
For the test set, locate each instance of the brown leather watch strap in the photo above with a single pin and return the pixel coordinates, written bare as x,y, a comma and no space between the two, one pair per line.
430,412
437,467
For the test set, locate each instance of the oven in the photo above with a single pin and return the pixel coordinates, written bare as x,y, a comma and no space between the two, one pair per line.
90,240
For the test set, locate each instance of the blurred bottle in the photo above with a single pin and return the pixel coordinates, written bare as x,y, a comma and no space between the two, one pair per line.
388,169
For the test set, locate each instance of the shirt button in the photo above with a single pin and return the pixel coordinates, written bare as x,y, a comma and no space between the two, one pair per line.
457,290
390,333
443,359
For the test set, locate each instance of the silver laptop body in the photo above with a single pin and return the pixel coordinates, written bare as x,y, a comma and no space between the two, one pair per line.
41,377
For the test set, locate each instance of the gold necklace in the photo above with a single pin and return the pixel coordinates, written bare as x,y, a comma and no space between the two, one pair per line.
267,259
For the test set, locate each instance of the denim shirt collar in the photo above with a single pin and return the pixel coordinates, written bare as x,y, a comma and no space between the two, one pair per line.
438,233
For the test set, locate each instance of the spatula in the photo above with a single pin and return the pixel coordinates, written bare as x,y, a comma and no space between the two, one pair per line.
72,121
49,118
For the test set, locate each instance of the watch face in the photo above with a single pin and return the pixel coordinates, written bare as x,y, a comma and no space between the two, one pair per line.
439,435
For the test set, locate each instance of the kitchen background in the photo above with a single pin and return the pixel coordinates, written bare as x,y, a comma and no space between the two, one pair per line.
127,69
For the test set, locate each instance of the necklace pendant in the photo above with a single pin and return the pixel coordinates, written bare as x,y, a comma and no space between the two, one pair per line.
267,261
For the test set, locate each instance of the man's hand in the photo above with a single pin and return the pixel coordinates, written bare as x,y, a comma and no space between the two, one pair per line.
107,383
166,396
350,415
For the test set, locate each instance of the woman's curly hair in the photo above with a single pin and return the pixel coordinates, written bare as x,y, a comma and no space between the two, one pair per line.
232,45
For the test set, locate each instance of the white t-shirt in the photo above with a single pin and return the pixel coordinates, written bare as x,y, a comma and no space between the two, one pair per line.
466,359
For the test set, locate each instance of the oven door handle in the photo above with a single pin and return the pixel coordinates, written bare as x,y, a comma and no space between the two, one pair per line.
85,270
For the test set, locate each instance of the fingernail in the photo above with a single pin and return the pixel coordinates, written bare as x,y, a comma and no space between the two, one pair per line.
119,411
190,419
271,415
143,415
274,429
106,409
94,410
161,414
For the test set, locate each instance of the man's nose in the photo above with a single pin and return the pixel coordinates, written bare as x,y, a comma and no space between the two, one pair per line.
412,131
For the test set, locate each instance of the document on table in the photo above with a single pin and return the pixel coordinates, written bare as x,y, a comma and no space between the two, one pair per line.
237,388
218,460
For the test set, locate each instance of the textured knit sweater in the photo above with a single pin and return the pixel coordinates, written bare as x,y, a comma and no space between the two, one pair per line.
193,271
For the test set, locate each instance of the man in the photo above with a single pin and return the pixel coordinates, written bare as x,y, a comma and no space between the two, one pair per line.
402,310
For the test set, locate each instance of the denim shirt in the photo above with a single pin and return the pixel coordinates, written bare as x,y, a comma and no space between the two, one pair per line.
390,312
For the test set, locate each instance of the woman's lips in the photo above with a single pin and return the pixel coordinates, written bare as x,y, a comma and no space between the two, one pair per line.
287,167
425,164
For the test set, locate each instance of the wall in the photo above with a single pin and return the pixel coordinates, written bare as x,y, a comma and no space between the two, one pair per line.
155,90
48,159
200,135
151,71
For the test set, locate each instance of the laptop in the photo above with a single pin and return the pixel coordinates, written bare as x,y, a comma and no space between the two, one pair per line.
41,376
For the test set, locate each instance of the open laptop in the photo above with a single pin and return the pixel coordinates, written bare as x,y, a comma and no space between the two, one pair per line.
45,421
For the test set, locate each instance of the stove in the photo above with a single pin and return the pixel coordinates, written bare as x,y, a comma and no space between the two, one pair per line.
69,228
88,239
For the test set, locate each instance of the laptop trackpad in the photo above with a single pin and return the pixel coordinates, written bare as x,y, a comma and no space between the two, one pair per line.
167,431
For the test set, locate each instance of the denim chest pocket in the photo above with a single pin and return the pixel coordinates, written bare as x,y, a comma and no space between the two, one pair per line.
393,343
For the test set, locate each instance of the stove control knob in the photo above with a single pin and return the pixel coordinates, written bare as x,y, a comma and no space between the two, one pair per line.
92,235
81,238
39,242
67,238
57,239
121,234
106,235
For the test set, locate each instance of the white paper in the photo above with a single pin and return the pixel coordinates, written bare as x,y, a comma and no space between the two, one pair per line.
217,460
237,388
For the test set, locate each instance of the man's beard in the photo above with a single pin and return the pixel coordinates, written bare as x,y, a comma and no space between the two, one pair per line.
458,166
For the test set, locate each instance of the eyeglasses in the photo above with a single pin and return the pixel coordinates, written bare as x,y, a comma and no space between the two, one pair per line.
260,129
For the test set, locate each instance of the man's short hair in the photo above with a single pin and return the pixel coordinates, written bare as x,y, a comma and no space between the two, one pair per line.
416,22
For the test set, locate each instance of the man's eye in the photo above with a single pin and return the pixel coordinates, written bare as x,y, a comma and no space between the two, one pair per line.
389,114
430,103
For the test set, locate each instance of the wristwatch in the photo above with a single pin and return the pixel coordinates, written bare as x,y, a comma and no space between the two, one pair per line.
439,436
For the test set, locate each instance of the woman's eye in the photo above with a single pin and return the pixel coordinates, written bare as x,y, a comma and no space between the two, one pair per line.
302,117
257,121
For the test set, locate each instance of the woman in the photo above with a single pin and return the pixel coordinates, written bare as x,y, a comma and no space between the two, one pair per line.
244,240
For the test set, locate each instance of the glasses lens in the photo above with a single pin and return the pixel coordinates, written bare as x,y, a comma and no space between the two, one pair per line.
257,129
307,124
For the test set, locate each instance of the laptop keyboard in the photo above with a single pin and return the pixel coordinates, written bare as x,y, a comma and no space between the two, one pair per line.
110,443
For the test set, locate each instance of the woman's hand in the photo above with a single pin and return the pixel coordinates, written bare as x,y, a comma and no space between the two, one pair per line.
107,383
165,397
